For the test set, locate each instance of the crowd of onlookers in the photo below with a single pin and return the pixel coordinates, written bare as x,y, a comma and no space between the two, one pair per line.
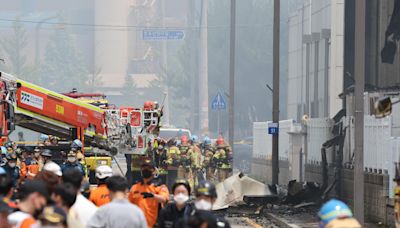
35,191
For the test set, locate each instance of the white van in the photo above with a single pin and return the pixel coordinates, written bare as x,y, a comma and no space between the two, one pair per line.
168,133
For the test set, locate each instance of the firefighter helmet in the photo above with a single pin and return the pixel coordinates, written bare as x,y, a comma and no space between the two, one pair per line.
220,141
207,141
148,105
334,209
76,144
206,188
184,139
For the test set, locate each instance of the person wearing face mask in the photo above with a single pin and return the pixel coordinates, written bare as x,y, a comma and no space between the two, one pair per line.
72,163
147,194
33,197
46,156
33,168
12,169
206,195
173,212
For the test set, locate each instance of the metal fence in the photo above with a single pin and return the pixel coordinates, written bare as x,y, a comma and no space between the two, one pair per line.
318,132
262,144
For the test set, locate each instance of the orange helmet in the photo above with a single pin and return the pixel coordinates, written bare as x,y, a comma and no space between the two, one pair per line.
220,140
148,105
184,139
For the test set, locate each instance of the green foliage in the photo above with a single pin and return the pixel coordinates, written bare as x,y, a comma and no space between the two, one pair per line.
13,48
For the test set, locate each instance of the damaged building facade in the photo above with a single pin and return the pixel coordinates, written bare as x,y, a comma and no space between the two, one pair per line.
316,143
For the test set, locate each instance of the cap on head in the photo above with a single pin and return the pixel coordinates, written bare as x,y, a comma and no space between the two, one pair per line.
53,215
46,153
206,188
12,157
147,163
334,209
53,167
103,171
179,182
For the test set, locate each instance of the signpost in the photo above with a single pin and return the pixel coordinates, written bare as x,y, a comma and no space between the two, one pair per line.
163,34
273,128
218,104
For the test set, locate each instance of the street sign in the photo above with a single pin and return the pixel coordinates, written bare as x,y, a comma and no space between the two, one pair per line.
162,34
273,128
218,103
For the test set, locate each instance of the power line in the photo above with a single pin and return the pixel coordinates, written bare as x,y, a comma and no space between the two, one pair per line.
129,27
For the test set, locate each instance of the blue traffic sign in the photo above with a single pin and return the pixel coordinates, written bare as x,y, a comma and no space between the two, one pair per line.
218,103
162,34
273,130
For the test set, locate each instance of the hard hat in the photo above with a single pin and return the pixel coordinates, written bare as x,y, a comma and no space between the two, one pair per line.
103,172
334,209
220,140
181,182
36,149
172,142
206,188
194,138
184,139
76,144
53,167
12,157
46,153
148,105
207,140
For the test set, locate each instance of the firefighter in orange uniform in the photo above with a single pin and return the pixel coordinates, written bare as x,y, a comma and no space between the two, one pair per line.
101,195
148,195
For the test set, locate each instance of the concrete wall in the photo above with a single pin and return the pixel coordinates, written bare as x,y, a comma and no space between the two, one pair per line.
261,169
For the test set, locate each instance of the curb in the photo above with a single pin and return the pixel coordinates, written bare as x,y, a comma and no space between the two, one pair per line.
281,222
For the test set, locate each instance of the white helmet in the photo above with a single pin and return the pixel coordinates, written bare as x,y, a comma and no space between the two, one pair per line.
53,167
103,171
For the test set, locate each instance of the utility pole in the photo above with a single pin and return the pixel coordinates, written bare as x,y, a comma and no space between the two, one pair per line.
203,70
232,44
275,103
359,73
165,65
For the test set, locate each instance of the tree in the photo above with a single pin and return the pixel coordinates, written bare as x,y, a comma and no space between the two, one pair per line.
129,90
94,79
64,68
13,47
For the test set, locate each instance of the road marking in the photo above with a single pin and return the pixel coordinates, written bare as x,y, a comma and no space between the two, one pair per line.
252,223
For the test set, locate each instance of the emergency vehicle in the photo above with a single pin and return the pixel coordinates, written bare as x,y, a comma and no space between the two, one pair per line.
87,117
